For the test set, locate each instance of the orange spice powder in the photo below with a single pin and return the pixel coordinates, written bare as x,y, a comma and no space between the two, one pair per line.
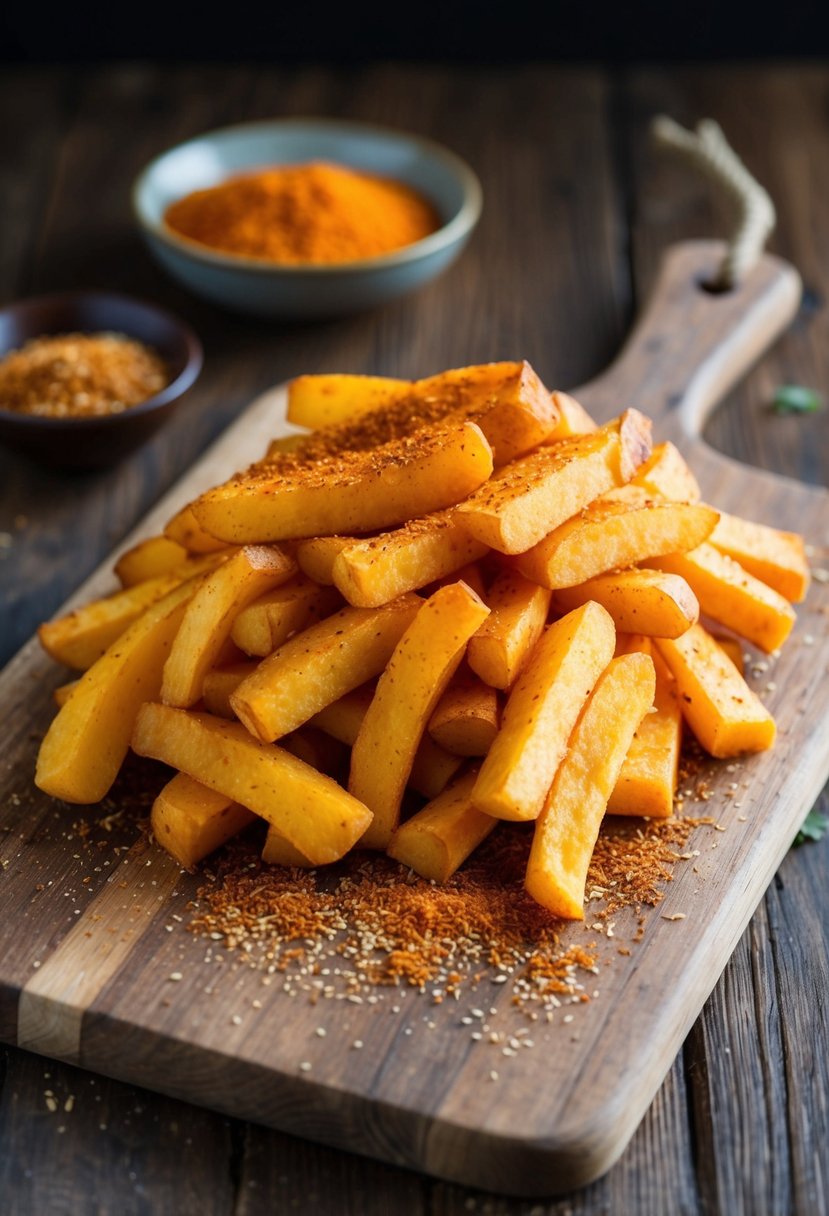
304,214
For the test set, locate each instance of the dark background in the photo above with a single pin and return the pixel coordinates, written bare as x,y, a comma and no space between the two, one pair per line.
464,30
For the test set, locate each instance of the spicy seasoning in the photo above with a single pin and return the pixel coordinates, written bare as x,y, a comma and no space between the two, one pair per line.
314,213
80,375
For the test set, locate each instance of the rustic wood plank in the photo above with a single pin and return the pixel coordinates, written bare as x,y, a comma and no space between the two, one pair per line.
80,1145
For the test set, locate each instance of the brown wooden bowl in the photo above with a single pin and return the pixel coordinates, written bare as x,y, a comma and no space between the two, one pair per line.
94,443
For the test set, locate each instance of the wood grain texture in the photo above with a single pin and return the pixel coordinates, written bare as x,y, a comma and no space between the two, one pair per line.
777,116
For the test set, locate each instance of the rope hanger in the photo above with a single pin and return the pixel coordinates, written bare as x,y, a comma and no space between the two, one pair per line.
707,150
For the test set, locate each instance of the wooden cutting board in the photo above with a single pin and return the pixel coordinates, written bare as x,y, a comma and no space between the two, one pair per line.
89,938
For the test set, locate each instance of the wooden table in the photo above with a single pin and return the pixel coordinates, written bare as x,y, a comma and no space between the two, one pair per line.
577,210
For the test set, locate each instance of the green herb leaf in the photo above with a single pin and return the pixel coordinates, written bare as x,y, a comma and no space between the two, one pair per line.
795,399
814,827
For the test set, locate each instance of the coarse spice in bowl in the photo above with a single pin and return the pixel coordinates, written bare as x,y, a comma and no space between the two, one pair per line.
87,376
306,217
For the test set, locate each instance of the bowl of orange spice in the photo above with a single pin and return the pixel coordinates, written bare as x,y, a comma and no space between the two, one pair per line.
306,217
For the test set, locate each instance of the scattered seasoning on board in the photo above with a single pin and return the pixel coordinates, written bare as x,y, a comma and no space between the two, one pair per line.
312,214
80,375
368,924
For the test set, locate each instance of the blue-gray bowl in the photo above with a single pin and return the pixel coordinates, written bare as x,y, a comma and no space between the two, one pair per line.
264,288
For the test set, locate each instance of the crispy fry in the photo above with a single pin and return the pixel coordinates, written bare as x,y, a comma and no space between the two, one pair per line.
541,711
467,717
776,558
190,821
357,491
646,601
319,666
270,620
620,529
438,839
421,666
220,683
666,475
245,576
327,400
731,596
647,780
375,571
569,823
573,418
315,814
718,705
186,531
149,558
499,649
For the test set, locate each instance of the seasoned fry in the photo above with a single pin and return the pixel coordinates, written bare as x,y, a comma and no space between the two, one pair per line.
666,475
507,400
327,400
718,705
86,743
775,557
644,601
270,620
573,418
79,639
375,571
524,501
731,596
438,839
620,529
186,531
467,717
316,557
220,683
541,711
149,558
421,666
355,492
568,825
319,666
278,851
245,576
647,780
315,814
519,610
190,821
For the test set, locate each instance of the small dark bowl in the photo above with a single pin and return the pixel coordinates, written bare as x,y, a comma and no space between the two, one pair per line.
94,443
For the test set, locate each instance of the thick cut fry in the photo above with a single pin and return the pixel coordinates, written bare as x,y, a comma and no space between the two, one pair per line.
327,400
437,840
356,492
86,744
732,597
278,851
423,663
316,557
619,529
209,617
732,647
499,649
79,639
269,621
149,558
219,685
718,705
373,572
315,814
471,575
62,694
666,475
567,827
647,781
507,400
573,418
643,601
776,558
467,717
541,712
322,751
186,531
527,499
190,821
319,666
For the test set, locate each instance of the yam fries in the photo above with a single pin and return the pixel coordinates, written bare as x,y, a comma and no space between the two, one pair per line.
521,586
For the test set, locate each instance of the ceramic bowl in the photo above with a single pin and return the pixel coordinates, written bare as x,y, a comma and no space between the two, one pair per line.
92,443
255,286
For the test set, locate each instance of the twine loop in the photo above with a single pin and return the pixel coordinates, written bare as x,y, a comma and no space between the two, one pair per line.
707,150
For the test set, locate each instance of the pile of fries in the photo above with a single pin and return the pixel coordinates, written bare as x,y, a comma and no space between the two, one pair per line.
459,590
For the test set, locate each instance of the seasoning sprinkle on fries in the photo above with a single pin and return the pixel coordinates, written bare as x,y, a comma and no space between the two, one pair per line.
471,568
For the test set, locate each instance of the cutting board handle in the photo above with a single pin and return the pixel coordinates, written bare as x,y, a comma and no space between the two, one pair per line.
691,344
